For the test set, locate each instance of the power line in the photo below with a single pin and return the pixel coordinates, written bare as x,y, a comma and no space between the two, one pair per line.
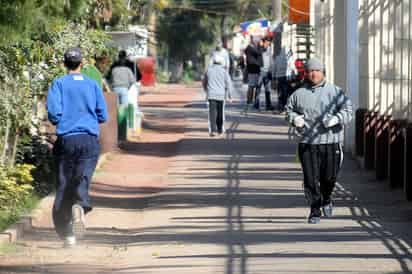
295,10
218,5
199,10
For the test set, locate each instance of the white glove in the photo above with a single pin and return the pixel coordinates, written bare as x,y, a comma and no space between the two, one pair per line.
299,121
332,121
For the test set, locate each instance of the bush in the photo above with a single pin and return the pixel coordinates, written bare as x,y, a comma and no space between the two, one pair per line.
8,217
15,185
188,76
162,76
37,151
16,193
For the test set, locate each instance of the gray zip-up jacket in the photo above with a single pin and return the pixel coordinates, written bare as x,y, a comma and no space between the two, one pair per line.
217,83
122,76
317,104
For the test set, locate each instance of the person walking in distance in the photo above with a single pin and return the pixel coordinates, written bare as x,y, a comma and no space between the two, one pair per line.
121,77
265,75
318,111
283,71
223,52
218,87
253,64
76,106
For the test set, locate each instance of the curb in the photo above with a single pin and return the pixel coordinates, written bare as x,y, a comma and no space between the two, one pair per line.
17,230
25,223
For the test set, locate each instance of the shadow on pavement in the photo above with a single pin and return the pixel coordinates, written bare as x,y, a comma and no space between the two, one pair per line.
236,231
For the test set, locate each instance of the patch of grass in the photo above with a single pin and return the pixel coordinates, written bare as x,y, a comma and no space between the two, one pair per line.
8,248
162,76
10,216
187,77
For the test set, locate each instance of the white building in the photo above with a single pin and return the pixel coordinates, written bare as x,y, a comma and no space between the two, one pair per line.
366,45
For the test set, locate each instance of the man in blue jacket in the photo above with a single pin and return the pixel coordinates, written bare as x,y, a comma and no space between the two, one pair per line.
318,111
76,106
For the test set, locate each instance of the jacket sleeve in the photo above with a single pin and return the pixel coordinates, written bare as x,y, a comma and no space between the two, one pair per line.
101,107
229,85
132,78
274,67
344,108
54,103
252,56
204,82
138,74
290,109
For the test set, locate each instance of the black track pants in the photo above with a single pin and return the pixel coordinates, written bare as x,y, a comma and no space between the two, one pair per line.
216,116
320,165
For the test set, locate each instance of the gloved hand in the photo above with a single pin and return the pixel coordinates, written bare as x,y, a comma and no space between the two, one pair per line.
331,121
299,121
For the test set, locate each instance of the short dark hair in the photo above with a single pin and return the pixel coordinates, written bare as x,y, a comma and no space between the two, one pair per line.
122,54
72,65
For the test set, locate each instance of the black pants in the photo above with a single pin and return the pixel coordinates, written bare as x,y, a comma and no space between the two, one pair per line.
320,165
251,94
283,92
76,158
216,116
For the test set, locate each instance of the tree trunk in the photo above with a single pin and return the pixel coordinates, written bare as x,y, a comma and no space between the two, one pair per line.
224,29
176,72
277,17
152,33
5,143
12,160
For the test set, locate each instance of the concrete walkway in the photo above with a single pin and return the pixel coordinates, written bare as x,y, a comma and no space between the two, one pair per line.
179,201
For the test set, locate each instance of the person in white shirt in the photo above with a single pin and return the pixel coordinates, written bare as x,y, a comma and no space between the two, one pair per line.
283,72
221,51
265,74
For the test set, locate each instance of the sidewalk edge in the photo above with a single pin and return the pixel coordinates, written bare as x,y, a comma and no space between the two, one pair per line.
16,231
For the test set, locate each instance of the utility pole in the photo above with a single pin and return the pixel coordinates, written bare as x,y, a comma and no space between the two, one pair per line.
277,18
277,10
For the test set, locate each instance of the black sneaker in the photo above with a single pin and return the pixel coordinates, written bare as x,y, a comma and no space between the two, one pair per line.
327,210
314,216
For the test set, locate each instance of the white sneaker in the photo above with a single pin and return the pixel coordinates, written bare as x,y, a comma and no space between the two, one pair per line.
79,227
328,210
69,241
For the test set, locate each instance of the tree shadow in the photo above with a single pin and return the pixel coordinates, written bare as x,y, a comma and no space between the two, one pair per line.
237,174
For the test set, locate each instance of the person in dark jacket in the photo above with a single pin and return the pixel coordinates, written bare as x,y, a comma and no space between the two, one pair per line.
254,62
124,61
121,77
76,106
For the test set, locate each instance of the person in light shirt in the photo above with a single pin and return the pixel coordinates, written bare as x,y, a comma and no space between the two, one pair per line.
318,111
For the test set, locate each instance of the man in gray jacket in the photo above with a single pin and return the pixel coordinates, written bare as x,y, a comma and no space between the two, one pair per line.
218,87
318,111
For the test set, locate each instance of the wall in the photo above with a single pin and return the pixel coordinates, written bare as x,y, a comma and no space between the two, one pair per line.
385,57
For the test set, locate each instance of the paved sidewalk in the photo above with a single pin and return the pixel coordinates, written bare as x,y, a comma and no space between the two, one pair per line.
179,201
